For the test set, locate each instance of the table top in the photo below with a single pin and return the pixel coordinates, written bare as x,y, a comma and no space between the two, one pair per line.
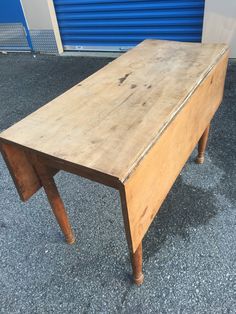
109,121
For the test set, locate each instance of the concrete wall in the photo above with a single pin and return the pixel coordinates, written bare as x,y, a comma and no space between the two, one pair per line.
220,23
42,23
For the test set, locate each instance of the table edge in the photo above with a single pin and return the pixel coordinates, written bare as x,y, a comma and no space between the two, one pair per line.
224,51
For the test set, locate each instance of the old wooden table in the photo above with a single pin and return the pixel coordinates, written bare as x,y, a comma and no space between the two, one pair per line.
132,126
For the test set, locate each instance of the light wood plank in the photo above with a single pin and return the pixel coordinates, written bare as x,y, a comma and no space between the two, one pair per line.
108,122
150,182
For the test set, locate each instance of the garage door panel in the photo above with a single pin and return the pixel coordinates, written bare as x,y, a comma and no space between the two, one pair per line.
120,25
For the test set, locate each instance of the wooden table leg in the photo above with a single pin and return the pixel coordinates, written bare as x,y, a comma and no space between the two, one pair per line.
202,146
54,199
137,263
137,255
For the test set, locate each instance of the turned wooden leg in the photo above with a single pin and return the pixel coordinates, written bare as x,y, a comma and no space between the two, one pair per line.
55,200
137,263
202,146
137,256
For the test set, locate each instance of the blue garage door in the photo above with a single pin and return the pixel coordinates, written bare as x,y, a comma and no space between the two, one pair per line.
14,34
119,25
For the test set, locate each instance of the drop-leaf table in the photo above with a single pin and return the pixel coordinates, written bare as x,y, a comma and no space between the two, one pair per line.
132,126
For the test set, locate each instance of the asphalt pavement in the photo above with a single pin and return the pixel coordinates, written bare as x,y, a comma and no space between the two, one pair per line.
189,251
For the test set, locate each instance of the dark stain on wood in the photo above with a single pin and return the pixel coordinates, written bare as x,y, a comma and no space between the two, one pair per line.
113,128
95,141
122,79
149,86
133,86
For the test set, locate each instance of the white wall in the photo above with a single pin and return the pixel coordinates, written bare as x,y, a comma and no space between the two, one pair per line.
37,14
220,23
42,23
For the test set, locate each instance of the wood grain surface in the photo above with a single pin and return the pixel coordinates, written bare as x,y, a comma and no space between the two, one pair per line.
108,122
21,170
150,182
